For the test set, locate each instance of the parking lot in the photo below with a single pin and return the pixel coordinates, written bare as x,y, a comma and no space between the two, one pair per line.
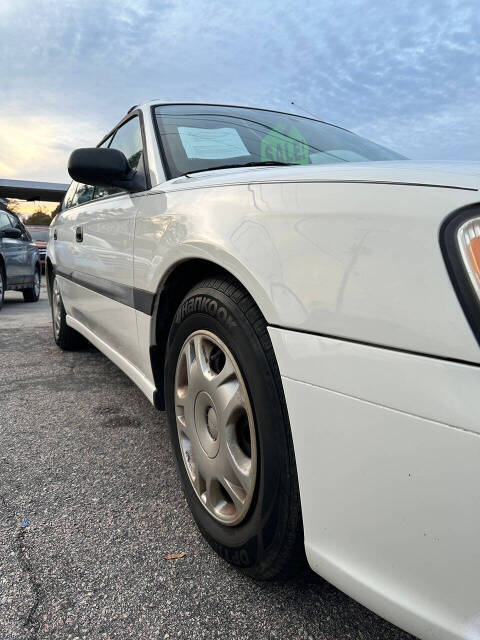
91,508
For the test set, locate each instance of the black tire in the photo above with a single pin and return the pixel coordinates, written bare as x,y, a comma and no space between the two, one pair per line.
32,294
268,542
65,337
3,284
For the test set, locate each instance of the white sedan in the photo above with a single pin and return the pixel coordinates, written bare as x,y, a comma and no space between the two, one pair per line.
305,305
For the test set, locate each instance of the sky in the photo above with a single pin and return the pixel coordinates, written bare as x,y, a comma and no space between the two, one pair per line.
403,73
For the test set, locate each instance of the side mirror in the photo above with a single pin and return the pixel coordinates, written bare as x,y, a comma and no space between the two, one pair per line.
103,168
12,233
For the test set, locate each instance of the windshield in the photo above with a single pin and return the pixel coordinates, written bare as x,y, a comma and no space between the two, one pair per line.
202,137
39,235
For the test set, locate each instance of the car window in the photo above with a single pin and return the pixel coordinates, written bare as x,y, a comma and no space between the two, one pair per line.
39,235
99,192
17,224
83,194
128,139
67,201
4,221
204,137
105,143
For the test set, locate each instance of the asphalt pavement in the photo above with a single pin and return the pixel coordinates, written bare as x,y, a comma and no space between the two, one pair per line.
91,507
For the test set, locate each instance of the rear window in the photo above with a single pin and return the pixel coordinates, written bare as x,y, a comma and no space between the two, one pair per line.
39,235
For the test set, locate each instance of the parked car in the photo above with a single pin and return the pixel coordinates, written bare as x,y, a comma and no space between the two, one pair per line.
305,305
39,236
19,259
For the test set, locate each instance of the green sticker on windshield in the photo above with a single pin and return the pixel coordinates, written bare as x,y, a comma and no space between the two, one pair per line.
285,146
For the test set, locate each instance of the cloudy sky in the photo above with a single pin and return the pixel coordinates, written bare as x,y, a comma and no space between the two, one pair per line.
404,73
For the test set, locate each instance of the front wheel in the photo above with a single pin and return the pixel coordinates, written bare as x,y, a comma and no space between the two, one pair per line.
32,294
230,431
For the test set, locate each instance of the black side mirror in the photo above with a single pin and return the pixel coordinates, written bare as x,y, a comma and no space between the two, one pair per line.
103,168
12,233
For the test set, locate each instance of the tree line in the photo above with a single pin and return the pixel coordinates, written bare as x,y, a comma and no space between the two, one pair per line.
39,217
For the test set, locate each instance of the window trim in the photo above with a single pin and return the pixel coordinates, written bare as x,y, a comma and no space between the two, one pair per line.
129,116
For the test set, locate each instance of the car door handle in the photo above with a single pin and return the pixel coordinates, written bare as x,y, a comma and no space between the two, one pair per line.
79,234
55,234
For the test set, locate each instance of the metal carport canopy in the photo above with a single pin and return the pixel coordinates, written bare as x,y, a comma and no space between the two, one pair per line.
28,190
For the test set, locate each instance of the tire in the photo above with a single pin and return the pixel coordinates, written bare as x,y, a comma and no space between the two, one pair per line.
220,362
32,294
3,285
65,337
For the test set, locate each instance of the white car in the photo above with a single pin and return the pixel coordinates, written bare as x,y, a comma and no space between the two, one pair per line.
305,306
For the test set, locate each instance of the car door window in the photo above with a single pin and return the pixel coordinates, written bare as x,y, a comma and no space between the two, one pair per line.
4,221
67,201
99,191
105,143
18,225
77,194
83,194
128,140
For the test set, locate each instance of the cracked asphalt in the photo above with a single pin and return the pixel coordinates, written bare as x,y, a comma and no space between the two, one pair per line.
91,506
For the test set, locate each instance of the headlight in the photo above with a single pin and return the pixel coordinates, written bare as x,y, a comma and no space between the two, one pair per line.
460,242
468,238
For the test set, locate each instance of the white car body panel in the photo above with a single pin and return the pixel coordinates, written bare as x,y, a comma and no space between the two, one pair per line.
378,361
105,254
383,432
316,260
426,387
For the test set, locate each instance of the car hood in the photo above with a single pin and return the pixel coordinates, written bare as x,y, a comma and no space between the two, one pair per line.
460,175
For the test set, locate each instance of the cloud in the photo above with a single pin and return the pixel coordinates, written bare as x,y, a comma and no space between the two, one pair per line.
406,74
37,146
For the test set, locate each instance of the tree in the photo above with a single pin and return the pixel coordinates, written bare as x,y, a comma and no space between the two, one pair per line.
40,218
56,210
13,205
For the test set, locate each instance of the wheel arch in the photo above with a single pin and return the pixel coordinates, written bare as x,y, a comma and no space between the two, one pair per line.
175,285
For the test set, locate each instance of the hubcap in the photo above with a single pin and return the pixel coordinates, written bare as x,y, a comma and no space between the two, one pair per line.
56,308
215,427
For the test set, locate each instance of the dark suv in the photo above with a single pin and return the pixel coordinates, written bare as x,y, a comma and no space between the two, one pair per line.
19,259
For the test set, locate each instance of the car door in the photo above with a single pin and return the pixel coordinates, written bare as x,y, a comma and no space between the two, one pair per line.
13,251
100,226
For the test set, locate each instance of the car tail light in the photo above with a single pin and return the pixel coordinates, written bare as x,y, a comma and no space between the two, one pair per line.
460,242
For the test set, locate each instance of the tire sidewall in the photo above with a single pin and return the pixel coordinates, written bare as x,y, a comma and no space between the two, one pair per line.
4,284
260,534
38,271
29,293
63,322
